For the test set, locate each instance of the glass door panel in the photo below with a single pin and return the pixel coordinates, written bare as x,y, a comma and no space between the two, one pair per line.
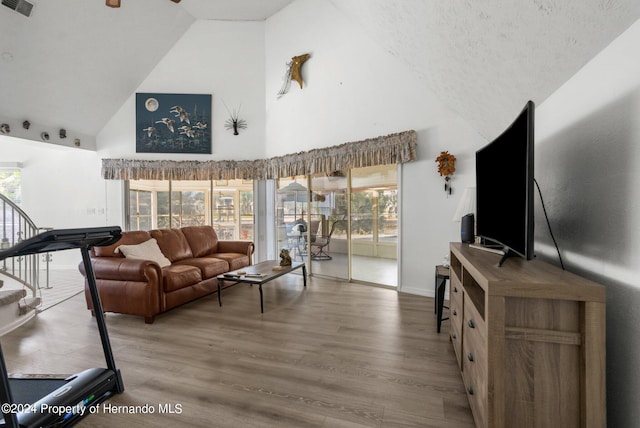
246,214
328,242
292,216
374,225
232,209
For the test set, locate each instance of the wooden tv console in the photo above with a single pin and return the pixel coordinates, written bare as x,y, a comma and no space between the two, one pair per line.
530,341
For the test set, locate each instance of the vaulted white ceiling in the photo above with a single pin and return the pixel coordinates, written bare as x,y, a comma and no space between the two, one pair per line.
73,63
485,59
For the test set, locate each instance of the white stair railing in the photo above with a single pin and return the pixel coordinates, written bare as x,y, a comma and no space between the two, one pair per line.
17,226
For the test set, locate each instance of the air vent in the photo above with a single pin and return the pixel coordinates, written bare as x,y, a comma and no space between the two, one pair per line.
23,7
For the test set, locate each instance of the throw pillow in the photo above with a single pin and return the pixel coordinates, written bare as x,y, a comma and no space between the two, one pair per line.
148,250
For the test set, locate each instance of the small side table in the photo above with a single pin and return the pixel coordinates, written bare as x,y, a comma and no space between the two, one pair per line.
442,275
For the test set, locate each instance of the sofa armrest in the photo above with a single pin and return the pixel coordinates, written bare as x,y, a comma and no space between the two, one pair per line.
123,269
242,247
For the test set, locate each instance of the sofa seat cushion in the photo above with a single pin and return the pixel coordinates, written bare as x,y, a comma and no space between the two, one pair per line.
210,267
179,276
235,260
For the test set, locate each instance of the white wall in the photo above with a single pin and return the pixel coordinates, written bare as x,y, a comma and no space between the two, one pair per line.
61,188
354,90
588,165
224,59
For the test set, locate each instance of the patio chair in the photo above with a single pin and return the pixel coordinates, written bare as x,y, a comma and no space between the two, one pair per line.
298,238
320,243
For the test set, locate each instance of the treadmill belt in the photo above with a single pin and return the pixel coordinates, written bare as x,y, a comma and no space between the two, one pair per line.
26,391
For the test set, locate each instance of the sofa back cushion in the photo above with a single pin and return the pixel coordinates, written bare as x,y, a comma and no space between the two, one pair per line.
128,238
172,243
203,240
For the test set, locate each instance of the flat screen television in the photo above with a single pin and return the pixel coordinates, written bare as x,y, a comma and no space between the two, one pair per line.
504,188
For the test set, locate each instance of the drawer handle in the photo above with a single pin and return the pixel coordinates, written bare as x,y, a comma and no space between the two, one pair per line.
455,289
454,336
470,356
471,324
470,390
455,313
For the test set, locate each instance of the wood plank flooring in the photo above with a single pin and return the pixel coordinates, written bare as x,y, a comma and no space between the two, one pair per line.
331,355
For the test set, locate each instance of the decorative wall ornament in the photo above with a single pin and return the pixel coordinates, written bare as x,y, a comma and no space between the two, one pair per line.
26,124
63,133
44,136
293,73
446,167
173,123
76,142
234,122
385,150
5,128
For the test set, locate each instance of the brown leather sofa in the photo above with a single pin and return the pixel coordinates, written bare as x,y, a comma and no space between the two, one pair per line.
142,287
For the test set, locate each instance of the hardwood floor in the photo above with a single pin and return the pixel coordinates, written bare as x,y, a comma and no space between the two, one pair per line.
331,355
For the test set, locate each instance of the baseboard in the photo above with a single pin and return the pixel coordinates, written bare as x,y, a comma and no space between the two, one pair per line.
416,291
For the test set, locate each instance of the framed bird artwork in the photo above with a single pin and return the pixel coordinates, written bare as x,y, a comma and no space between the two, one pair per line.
173,123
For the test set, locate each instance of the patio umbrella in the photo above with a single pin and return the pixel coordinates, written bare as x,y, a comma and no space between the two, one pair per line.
296,193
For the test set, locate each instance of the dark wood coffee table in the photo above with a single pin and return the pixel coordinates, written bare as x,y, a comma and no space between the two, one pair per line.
259,274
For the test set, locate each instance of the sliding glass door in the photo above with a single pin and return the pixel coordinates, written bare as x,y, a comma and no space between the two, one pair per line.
350,223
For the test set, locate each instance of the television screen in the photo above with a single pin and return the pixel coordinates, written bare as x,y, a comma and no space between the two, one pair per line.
504,186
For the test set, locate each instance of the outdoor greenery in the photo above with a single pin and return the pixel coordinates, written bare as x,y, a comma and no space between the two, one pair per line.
365,205
10,185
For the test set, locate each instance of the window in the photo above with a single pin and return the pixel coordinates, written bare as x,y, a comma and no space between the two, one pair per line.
10,188
10,185
226,205
140,213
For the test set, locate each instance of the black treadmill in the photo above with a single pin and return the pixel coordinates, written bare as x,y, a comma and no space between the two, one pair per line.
43,400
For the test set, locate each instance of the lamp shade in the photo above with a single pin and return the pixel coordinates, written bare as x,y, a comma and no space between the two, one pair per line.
466,204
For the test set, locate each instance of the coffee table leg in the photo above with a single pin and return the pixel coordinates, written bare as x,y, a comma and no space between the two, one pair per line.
261,306
220,292
304,275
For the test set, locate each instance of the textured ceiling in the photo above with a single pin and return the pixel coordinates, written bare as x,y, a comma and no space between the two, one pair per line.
73,63
485,59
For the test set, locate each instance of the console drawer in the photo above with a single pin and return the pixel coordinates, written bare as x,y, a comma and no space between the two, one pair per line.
474,361
473,323
455,335
455,303
475,383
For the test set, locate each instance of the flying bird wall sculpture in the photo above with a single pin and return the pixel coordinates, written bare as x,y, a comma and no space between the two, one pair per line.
293,73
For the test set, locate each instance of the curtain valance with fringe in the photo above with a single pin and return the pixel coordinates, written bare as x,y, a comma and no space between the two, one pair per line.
389,149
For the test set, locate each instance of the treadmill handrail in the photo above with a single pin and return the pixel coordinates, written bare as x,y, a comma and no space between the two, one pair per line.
64,239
